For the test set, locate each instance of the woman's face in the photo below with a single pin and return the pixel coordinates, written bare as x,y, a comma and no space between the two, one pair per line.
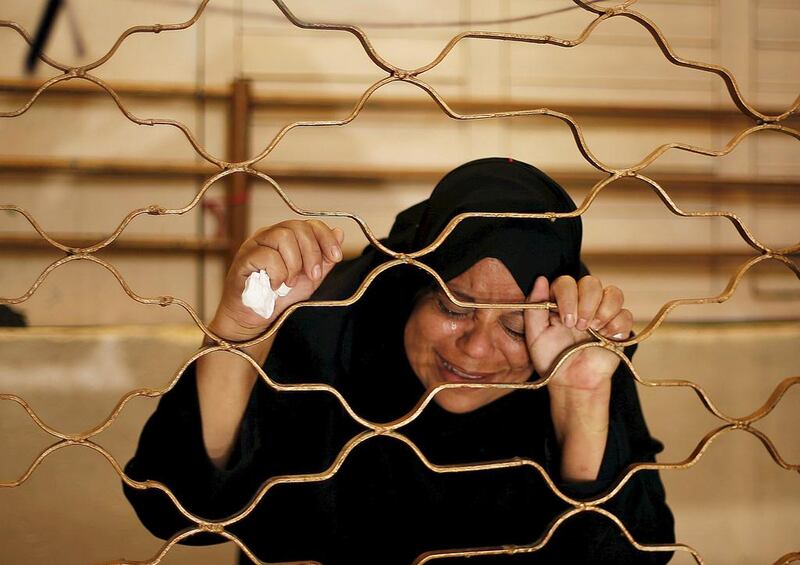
445,343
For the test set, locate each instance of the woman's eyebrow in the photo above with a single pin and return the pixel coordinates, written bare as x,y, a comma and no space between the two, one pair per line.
467,298
461,296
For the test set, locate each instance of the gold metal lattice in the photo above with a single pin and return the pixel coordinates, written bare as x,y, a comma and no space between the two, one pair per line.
393,429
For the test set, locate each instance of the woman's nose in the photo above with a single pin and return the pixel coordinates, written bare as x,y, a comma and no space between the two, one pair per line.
475,341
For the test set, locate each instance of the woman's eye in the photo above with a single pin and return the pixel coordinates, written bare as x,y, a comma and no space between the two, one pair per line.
514,333
444,308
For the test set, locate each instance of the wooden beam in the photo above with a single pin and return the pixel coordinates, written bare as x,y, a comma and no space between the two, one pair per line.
361,176
79,87
104,167
237,208
170,245
326,103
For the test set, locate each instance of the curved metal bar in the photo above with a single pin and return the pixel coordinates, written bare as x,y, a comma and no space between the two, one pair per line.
577,133
156,121
77,74
666,49
730,146
354,30
360,103
152,210
734,219
586,204
759,413
788,558
366,230
162,552
155,28
35,96
545,539
157,300
590,7
718,299
515,37
27,37
39,280
772,449
36,462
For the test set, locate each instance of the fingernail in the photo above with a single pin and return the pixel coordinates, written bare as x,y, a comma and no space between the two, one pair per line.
316,272
336,252
595,325
582,324
569,320
618,336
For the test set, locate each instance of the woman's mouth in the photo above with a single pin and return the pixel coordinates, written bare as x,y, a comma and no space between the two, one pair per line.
453,373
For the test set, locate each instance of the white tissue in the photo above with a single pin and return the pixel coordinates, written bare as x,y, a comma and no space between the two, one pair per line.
259,296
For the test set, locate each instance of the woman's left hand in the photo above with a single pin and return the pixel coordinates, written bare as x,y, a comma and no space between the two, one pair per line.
581,304
580,390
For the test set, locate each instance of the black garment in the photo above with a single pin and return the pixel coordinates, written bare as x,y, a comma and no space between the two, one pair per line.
383,505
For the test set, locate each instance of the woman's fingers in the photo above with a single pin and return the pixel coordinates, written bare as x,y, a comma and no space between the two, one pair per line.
283,240
328,242
620,326
585,303
307,247
564,291
610,306
590,293
269,259
537,320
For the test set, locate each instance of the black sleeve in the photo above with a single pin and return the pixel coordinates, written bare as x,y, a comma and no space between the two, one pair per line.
640,505
282,433
171,451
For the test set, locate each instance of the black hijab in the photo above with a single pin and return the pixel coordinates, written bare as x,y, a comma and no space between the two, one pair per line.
372,370
527,247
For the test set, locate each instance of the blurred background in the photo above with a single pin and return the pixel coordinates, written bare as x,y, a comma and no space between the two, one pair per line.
243,72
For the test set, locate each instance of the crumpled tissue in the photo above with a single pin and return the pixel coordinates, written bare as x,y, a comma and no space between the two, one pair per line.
259,296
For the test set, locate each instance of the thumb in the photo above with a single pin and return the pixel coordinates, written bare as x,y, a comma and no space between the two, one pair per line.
537,320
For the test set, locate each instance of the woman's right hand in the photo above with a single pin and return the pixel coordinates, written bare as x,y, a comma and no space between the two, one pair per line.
295,252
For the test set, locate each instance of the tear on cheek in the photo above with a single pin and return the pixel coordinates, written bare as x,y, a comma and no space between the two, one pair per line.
448,326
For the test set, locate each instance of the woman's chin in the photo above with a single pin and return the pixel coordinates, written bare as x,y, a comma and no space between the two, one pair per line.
464,400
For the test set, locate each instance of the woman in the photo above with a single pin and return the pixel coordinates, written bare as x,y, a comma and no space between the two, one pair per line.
222,432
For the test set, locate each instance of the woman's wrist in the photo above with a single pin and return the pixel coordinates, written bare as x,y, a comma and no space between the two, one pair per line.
228,330
580,421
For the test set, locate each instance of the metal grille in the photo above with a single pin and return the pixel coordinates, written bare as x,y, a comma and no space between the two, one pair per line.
760,122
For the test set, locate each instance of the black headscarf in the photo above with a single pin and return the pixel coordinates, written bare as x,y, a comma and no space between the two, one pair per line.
527,247
374,371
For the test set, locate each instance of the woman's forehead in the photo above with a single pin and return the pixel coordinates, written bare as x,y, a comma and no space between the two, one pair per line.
488,280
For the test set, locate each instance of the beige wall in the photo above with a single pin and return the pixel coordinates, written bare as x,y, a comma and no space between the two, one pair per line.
744,516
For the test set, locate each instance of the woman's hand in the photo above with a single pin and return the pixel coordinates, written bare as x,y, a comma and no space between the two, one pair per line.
581,304
295,252
581,389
